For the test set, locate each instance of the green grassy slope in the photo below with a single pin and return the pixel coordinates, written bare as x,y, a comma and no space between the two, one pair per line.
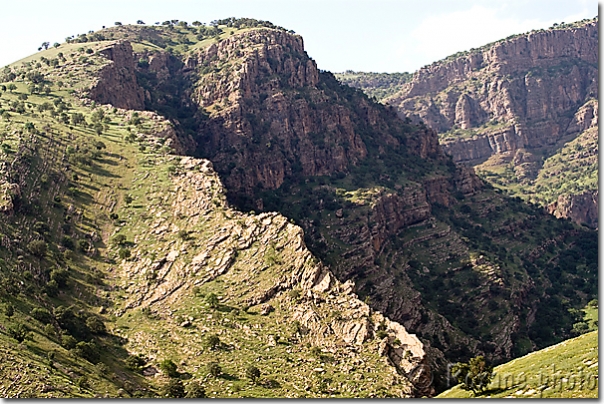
566,370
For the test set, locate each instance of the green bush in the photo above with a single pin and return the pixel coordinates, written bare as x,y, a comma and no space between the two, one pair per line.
252,373
49,330
211,341
41,314
67,242
212,300
83,245
51,288
214,369
95,325
9,310
169,368
195,390
136,362
88,351
124,253
381,334
119,240
60,276
474,375
38,248
173,389
19,332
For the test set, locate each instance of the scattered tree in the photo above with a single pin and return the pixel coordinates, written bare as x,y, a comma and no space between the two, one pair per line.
195,390
174,389
474,375
212,300
124,253
214,369
253,373
38,248
9,310
169,368
211,341
19,332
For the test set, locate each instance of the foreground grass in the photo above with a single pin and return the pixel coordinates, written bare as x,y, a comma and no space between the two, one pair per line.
565,370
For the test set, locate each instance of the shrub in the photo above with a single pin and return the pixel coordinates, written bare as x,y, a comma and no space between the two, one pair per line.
316,351
38,248
252,373
124,253
173,389
136,362
83,245
214,369
195,390
9,310
95,325
60,276
67,242
474,375
88,351
212,300
49,330
19,332
381,334
169,368
51,288
41,314
119,240
211,341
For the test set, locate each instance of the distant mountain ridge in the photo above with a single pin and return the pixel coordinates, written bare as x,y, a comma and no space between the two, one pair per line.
508,107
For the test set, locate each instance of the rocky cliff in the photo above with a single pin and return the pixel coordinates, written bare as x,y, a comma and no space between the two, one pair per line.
512,103
273,112
424,240
116,83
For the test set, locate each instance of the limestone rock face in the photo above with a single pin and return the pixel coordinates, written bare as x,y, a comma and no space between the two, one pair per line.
511,102
116,83
273,112
532,85
581,208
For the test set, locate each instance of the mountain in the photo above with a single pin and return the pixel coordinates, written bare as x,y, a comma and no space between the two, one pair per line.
517,108
130,156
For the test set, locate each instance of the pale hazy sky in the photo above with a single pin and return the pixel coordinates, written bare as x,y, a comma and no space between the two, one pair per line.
362,35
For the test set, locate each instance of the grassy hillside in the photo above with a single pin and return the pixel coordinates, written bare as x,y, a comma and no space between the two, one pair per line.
566,370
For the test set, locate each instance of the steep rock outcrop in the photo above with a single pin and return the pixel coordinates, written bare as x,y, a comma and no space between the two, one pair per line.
510,102
532,85
272,112
116,83
161,282
581,208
